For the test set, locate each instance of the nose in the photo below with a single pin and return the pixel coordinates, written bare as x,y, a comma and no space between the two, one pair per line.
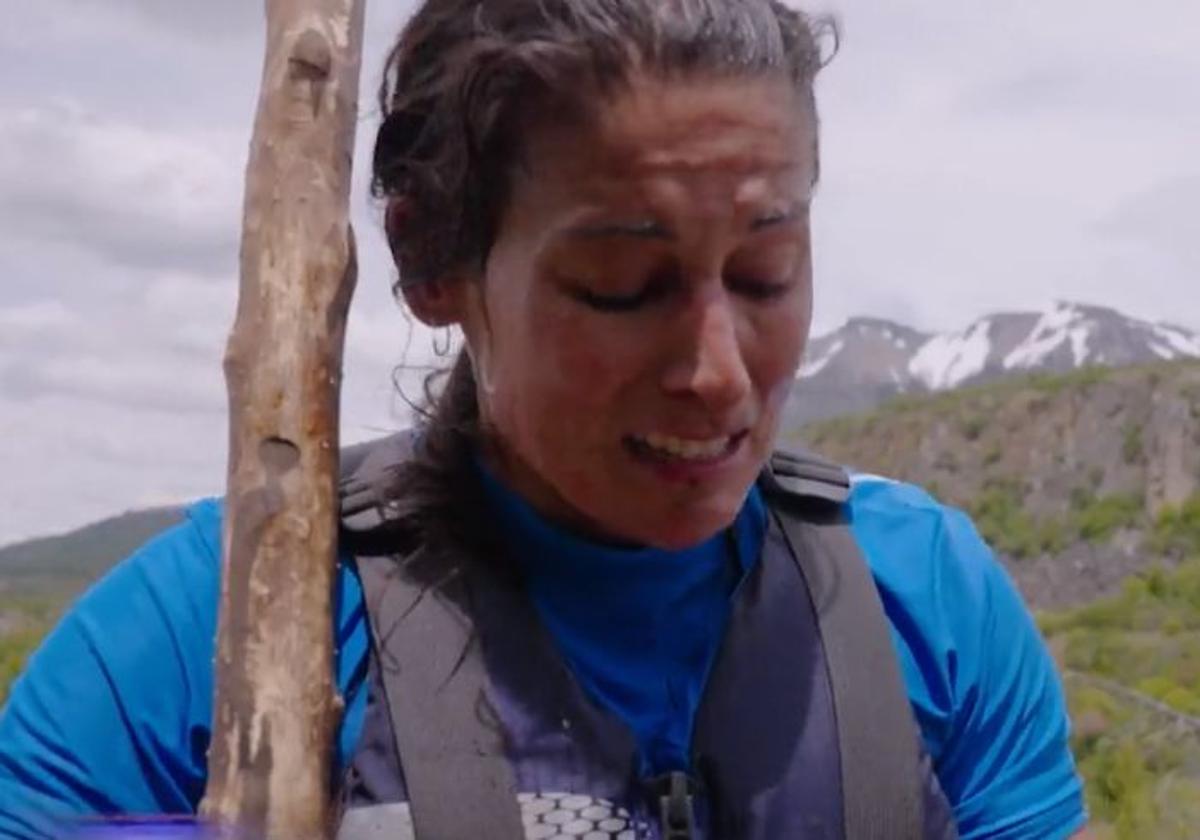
709,364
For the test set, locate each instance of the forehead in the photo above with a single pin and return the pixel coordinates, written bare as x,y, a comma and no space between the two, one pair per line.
654,137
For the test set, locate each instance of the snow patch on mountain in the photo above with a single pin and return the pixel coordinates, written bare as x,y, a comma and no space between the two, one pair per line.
815,366
1178,339
1060,324
877,353
946,360
869,359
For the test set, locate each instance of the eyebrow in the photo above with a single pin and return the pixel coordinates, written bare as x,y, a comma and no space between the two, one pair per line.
781,216
648,229
652,229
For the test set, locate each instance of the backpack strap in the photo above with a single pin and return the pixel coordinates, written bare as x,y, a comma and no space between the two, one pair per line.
365,474
433,673
880,758
459,779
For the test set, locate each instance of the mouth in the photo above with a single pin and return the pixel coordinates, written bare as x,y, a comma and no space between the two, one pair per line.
664,449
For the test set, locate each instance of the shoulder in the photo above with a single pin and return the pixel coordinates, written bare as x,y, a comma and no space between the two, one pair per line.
981,682
174,577
124,674
921,552
161,598
937,579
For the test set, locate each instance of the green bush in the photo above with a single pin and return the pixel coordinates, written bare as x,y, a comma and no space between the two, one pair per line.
999,513
1121,790
1137,787
1131,446
1052,536
14,652
974,426
1177,530
1001,519
1096,519
1168,691
1156,601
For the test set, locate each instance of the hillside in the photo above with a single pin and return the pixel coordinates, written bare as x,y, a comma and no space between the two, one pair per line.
1131,664
69,561
1088,486
1077,481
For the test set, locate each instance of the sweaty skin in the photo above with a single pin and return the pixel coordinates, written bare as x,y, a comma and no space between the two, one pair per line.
651,278
650,288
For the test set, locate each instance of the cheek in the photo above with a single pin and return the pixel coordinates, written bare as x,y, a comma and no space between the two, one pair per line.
567,368
778,340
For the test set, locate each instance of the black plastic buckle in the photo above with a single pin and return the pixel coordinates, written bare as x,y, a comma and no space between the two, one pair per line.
676,812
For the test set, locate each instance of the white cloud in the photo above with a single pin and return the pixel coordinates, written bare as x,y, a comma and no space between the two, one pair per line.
974,159
131,195
971,155
1165,218
225,19
68,461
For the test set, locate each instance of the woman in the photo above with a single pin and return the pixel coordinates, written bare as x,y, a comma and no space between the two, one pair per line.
611,198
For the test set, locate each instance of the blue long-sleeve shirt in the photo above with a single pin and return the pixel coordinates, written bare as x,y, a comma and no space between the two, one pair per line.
113,715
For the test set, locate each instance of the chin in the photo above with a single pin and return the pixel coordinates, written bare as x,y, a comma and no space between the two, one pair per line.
688,531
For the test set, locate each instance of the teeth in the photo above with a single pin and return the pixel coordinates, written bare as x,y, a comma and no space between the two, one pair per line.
694,450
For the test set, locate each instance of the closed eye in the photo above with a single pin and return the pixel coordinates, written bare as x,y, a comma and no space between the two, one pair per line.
614,303
655,285
758,290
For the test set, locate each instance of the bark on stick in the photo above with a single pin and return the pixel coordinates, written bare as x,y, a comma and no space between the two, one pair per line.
277,709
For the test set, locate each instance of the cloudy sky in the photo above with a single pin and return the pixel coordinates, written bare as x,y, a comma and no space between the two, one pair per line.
977,157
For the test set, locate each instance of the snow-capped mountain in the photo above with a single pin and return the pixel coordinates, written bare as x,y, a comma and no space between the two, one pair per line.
865,350
868,360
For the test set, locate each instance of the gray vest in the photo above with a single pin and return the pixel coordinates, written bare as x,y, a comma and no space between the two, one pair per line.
476,727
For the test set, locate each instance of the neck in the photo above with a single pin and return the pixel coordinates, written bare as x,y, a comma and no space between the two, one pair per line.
519,476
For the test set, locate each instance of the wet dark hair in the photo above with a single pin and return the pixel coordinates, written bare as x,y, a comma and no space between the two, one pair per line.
467,78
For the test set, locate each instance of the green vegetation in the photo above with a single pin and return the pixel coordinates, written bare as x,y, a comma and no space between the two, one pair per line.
1132,449
64,564
1085,377
1096,518
1176,531
1000,514
14,652
1132,666
973,426
23,623
1007,452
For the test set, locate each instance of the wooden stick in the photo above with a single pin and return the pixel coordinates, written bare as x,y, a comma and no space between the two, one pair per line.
277,709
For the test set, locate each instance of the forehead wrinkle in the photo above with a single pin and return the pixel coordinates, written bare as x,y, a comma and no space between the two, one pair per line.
731,147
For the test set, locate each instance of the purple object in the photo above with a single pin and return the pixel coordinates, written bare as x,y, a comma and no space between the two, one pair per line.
150,828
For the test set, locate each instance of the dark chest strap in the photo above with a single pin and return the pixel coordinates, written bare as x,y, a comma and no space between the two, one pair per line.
881,775
433,673
459,780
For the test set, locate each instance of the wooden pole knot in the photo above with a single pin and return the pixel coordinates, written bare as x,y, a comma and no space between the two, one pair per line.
311,59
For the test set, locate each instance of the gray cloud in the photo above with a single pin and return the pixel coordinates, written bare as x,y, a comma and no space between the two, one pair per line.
975,159
152,350
229,19
135,196
969,156
1166,217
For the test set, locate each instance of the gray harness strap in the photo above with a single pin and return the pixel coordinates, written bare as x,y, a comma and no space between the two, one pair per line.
881,775
460,783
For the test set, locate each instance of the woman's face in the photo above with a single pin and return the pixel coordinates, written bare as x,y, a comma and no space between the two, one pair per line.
645,306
